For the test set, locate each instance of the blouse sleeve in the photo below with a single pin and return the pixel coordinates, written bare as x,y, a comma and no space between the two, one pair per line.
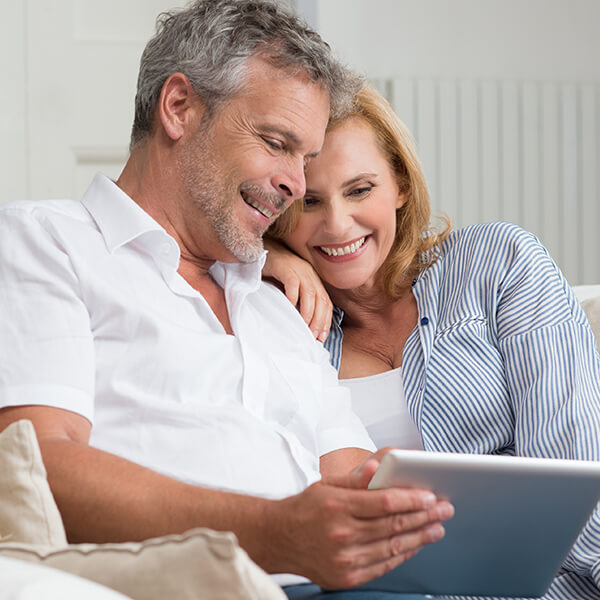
552,371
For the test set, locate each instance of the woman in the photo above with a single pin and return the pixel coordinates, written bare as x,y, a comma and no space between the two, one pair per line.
462,341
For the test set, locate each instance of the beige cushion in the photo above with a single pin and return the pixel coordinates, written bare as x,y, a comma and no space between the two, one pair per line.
591,307
198,564
28,512
27,581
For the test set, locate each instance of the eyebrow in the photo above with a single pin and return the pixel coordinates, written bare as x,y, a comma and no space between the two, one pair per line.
349,182
358,178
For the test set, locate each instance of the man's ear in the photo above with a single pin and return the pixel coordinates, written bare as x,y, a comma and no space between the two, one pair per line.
178,106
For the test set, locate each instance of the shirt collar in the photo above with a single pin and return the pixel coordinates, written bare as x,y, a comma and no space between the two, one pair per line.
337,316
246,275
121,221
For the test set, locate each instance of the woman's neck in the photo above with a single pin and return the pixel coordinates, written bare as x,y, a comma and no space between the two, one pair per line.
365,306
375,327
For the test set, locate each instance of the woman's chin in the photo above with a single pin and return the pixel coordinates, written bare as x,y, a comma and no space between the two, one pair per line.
346,282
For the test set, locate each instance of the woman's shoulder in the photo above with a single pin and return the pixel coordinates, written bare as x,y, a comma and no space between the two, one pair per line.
491,234
494,243
491,253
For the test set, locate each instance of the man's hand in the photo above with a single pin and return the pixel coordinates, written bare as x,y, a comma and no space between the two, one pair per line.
301,285
342,535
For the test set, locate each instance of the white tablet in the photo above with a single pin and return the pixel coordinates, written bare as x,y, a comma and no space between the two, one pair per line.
516,519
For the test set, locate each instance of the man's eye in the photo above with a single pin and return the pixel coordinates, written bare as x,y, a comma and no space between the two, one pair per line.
275,144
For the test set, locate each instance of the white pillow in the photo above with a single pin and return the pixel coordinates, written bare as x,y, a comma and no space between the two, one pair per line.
24,581
584,292
591,307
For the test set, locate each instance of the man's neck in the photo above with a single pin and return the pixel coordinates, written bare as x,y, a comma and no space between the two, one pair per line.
156,191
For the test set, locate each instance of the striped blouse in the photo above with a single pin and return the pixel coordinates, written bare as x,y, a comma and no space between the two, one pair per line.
503,361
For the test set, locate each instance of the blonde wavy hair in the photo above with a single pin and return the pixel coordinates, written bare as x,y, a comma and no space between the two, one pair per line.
417,243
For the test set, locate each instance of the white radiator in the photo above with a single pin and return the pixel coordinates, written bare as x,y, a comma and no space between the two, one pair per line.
521,151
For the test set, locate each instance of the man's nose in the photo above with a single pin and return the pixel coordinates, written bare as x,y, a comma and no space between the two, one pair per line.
291,182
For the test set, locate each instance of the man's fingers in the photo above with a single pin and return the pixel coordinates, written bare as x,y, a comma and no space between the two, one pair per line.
399,545
370,504
399,524
363,563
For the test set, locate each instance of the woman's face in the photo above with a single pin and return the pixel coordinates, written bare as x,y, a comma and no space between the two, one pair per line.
349,221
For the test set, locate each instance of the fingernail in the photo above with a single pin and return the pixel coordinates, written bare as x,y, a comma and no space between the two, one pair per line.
428,500
445,511
315,333
435,532
322,336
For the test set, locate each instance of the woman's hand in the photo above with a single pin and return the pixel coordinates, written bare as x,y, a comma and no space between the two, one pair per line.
302,287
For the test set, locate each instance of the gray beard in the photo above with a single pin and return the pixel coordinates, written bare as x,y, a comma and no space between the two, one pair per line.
209,189
244,247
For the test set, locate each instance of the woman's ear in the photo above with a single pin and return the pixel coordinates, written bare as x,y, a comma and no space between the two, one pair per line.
178,105
401,200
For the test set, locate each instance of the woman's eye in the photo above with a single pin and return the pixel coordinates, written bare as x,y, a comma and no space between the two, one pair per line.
361,191
309,201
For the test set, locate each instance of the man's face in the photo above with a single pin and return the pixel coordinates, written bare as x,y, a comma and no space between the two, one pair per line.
246,165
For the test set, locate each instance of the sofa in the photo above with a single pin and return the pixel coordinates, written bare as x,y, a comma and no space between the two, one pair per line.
199,563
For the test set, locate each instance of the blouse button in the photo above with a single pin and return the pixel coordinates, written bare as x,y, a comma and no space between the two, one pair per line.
424,321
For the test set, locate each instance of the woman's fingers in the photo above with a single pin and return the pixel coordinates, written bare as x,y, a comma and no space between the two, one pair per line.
316,309
291,285
322,316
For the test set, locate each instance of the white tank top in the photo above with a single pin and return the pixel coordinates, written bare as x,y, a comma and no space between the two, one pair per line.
379,402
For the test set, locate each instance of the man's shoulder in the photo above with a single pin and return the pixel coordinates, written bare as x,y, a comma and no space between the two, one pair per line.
44,211
271,298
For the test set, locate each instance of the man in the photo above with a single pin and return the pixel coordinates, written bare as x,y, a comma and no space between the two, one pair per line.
168,386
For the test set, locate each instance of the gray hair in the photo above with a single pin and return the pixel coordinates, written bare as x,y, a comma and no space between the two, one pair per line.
210,43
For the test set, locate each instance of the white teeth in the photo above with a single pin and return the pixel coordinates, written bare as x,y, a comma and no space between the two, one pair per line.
345,250
261,209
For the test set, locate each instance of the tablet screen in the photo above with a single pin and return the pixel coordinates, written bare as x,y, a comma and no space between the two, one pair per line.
515,521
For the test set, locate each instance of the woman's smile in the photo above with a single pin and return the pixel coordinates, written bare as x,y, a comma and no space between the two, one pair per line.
347,250
348,224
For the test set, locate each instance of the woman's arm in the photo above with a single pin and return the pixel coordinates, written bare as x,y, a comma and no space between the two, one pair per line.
553,375
302,286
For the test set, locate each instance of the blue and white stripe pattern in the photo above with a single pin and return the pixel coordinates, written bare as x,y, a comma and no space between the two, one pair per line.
503,361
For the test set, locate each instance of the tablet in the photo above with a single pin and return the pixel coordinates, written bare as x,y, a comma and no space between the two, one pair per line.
515,521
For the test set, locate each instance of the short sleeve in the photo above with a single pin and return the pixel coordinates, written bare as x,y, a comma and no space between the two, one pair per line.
46,349
339,426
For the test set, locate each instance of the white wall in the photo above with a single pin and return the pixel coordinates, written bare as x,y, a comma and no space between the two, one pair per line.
503,97
13,102
69,70
521,39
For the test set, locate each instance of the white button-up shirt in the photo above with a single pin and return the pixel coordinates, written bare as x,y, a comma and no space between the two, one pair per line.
95,319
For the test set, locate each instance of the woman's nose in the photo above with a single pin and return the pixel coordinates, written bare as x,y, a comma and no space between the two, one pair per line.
338,219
